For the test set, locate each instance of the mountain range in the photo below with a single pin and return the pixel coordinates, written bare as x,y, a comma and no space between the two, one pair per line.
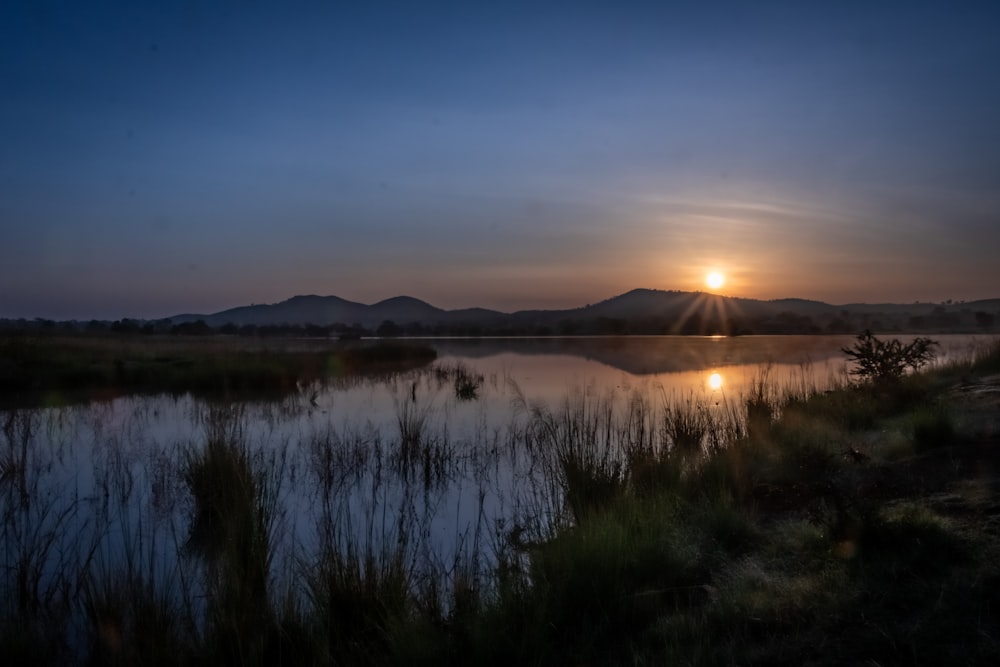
631,312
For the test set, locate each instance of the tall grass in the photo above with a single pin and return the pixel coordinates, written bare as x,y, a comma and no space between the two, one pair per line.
686,425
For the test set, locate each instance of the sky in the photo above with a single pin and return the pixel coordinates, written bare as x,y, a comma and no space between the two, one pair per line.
166,157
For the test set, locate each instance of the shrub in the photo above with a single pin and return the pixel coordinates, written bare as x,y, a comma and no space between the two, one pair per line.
883,361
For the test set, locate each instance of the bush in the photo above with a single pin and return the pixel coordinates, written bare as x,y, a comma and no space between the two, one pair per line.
881,361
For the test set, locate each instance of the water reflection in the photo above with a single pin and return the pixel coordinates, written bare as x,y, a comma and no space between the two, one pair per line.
715,381
651,355
655,355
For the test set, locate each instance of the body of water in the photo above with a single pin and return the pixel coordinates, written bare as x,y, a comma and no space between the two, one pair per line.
438,464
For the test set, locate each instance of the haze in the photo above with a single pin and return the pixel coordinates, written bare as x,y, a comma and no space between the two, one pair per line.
165,157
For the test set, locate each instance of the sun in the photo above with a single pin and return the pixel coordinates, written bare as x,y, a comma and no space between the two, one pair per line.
715,280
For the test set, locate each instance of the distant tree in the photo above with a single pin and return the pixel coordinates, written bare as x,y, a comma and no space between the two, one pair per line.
196,328
388,329
734,327
692,325
350,332
884,361
615,326
318,331
838,325
466,329
984,319
125,326
568,327
279,330
414,329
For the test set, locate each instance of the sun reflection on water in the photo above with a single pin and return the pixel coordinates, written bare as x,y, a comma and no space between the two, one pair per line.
715,381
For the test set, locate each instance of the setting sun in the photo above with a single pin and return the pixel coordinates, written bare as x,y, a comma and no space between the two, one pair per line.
715,280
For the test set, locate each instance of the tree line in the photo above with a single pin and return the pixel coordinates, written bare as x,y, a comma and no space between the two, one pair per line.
837,322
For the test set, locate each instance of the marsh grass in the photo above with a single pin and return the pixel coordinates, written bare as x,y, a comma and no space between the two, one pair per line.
41,542
58,371
359,600
422,453
135,618
760,404
231,533
465,381
686,424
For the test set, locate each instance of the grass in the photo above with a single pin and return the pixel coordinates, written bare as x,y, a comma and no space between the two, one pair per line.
855,526
49,371
465,380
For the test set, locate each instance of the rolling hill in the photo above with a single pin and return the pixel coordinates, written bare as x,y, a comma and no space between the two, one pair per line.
636,311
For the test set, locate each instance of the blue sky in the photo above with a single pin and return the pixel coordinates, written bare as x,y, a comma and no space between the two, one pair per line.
166,157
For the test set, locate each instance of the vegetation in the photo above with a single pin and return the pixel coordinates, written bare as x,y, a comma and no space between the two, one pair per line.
60,370
883,361
851,526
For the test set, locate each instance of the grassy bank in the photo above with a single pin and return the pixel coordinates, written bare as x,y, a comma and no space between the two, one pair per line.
50,371
854,526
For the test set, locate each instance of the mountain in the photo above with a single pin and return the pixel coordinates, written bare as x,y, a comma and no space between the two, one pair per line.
403,309
327,310
636,311
673,306
309,309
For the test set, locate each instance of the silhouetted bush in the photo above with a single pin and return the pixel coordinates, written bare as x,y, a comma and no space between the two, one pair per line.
882,361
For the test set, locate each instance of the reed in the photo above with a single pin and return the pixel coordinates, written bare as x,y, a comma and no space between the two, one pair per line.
686,423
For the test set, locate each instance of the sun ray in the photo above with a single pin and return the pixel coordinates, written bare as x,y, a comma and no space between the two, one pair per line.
697,304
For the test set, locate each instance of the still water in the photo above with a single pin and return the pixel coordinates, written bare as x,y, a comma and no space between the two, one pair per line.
402,463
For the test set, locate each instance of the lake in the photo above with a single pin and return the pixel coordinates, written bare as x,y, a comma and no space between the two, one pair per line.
437,465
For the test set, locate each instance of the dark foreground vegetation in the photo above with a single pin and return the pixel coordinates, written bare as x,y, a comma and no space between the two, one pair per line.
855,526
56,370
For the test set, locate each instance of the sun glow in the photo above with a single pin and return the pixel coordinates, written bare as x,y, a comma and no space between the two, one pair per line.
715,381
715,280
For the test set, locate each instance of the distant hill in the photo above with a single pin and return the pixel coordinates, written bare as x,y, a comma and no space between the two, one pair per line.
328,310
636,311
